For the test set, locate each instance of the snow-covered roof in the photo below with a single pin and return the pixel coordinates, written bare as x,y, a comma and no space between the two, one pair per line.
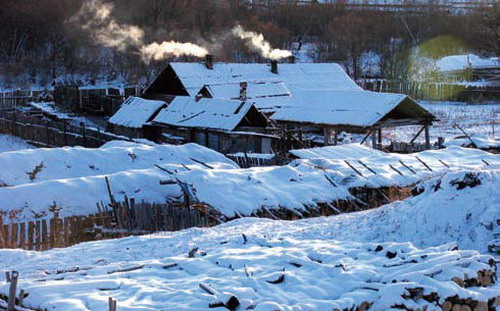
345,108
461,62
295,76
210,113
136,111
254,90
340,152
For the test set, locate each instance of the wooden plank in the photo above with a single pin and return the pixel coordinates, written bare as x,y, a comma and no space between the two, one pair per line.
38,235
45,238
31,234
22,235
14,229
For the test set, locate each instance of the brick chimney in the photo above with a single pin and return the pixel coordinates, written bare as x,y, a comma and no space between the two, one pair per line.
243,91
209,61
274,66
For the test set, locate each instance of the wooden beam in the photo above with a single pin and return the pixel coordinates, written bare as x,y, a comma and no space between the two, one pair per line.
366,137
416,135
427,138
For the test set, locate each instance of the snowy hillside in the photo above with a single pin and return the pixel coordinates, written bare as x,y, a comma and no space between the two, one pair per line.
318,264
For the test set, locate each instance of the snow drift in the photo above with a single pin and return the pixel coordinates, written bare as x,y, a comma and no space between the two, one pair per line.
35,165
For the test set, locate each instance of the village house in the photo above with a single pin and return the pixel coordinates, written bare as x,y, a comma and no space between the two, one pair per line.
226,126
187,79
302,99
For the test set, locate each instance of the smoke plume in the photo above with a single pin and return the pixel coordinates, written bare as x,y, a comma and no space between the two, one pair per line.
95,18
97,21
157,51
257,43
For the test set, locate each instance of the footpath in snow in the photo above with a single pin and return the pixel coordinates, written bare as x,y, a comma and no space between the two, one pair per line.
352,262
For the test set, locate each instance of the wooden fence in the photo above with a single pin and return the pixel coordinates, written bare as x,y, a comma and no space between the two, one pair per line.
123,219
45,133
246,160
13,99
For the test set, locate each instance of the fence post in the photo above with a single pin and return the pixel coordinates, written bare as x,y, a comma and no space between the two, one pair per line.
65,135
47,132
84,134
12,279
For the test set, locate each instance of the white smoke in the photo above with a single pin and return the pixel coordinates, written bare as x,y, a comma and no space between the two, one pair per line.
96,19
257,43
158,51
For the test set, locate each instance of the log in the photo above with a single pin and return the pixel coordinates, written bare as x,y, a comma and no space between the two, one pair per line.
227,300
447,306
481,306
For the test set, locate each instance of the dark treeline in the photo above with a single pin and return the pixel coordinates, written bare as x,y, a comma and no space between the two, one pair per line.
39,39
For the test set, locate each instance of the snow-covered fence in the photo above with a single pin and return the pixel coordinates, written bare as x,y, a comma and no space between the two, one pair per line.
246,160
45,133
124,219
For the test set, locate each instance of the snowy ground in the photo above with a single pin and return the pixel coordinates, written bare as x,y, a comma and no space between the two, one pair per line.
316,264
473,118
12,143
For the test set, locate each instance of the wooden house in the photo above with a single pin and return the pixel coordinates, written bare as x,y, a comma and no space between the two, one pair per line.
132,115
187,79
226,126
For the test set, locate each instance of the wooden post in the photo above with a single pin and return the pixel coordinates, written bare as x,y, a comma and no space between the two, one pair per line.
327,135
65,135
84,134
12,279
112,304
379,134
427,139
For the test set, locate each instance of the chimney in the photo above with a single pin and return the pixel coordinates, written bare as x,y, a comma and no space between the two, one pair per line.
291,59
209,61
243,91
274,66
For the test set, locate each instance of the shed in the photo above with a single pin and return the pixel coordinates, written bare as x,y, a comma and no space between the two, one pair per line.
223,125
352,111
133,114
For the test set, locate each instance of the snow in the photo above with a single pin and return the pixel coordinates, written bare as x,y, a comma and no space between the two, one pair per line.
210,113
297,187
324,263
339,152
51,109
71,162
481,141
254,90
136,111
12,143
355,108
461,62
475,119
296,76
